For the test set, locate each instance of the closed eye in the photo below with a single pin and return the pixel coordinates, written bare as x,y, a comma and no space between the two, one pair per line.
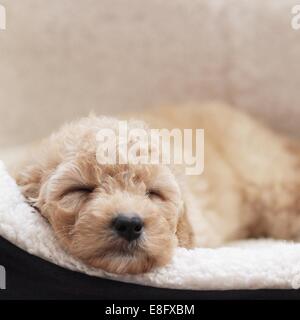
155,194
78,189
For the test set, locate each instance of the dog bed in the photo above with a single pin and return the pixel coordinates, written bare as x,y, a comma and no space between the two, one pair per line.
33,259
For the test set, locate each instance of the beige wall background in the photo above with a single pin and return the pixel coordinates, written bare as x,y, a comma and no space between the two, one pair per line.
59,59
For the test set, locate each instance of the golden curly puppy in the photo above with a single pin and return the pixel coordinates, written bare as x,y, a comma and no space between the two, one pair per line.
128,218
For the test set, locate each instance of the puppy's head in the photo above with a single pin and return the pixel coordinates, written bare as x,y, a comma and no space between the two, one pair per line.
121,218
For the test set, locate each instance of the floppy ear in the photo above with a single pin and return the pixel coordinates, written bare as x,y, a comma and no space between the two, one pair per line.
184,230
29,180
62,222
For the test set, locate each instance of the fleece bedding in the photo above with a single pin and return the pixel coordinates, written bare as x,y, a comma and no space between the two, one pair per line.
251,264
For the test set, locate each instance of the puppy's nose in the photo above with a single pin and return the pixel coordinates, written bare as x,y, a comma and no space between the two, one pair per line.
129,228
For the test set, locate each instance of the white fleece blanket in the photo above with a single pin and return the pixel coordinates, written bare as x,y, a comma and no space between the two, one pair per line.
243,265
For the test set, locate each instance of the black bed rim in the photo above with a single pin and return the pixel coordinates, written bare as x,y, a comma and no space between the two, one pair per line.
30,277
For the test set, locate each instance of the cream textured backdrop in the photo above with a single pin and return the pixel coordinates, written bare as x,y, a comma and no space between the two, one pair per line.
61,58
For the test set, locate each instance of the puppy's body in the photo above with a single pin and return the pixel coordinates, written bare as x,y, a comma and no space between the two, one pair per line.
249,188
250,184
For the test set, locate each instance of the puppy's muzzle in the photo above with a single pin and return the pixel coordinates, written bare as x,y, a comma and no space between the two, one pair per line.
129,228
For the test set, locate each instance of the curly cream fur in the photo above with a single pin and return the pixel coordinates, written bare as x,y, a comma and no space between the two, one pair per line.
251,179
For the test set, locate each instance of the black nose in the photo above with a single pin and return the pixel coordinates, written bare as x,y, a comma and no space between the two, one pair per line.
129,228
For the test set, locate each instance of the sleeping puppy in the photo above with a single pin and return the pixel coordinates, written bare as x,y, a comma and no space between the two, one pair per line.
129,218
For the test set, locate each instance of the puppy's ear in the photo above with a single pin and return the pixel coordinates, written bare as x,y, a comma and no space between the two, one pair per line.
29,180
62,222
184,230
